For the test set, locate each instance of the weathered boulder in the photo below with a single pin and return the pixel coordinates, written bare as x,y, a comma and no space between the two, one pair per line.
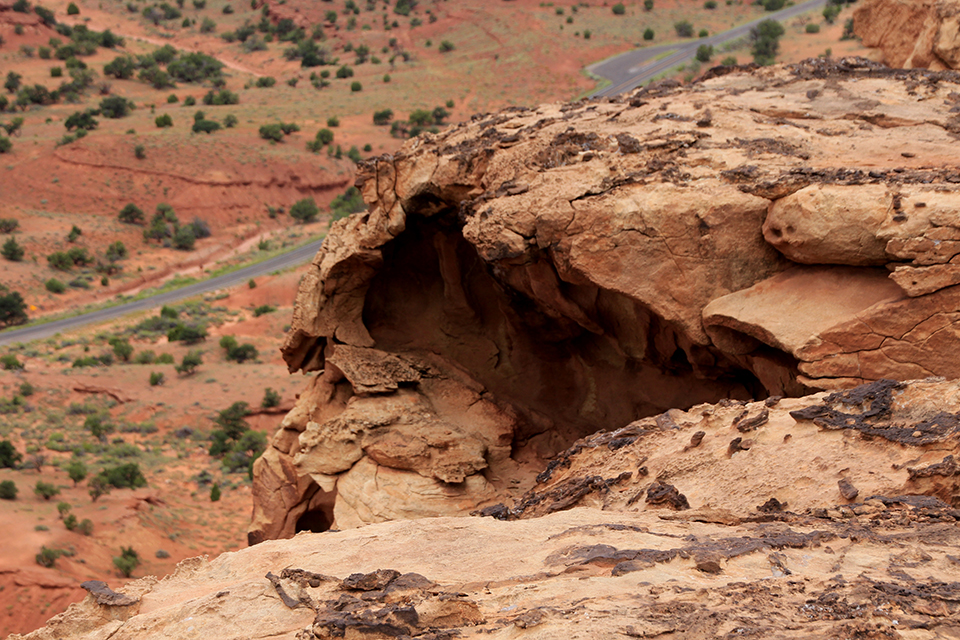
531,277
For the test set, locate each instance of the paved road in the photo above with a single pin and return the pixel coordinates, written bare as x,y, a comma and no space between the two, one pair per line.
629,70
284,261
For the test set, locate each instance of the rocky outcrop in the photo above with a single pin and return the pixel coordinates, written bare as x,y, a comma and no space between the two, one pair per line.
826,516
912,33
531,277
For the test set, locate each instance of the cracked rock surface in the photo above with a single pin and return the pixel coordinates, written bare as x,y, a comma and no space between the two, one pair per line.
537,275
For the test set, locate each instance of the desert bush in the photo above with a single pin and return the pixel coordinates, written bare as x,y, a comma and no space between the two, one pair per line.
85,527
55,286
704,53
156,378
190,362
220,98
304,210
208,26
215,492
446,46
765,41
9,362
619,9
70,522
127,562
265,82
63,508
13,310
356,86
333,122
124,476
270,398
115,107
60,260
45,490
12,250
77,471
163,120
139,152
812,27
9,456
8,225
230,121
131,214
8,490
74,234
684,29
271,132
205,126
48,557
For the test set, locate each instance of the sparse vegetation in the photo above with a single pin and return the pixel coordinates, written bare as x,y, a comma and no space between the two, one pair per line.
127,562
45,490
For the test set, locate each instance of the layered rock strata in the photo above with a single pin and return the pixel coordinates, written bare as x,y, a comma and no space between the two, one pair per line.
537,275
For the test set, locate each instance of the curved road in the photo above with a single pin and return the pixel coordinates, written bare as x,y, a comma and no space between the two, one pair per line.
289,259
629,70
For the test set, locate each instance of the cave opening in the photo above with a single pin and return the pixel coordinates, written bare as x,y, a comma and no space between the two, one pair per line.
587,359
317,521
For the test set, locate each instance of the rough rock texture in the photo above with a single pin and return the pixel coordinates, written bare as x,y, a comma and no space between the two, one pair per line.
912,33
883,568
827,516
534,276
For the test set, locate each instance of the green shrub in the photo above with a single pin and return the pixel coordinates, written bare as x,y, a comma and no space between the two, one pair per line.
189,364
215,492
156,378
124,476
48,557
63,508
45,490
8,490
77,471
163,120
70,522
115,107
60,260
230,121
812,27
85,527
205,126
271,132
165,358
172,99
131,214
333,122
9,362
704,53
55,286
127,561
12,250
9,456
270,398
619,9
684,29
265,82
355,86
8,225
304,210
703,33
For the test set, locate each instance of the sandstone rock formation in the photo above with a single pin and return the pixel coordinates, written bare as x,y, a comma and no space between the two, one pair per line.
826,516
912,33
534,276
